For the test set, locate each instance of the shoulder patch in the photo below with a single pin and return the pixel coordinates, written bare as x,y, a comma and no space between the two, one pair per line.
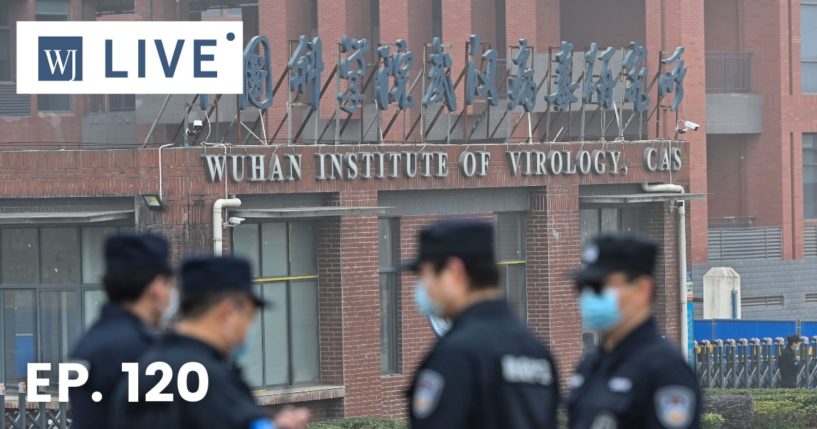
605,421
427,393
576,381
675,406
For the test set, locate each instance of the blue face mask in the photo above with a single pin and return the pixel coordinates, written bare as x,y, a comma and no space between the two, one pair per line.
599,312
424,302
241,351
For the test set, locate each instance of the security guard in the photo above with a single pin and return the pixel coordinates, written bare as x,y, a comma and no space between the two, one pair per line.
217,308
138,284
635,379
488,371
789,362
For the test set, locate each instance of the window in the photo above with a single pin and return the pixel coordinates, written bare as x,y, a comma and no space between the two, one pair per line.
53,10
808,45
810,175
389,232
437,18
106,7
285,347
5,41
121,102
49,292
595,221
811,298
512,261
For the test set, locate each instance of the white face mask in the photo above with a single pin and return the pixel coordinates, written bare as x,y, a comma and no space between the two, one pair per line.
172,307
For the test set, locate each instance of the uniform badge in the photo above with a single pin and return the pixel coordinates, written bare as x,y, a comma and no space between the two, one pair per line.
590,254
620,384
427,393
262,424
576,381
675,406
605,421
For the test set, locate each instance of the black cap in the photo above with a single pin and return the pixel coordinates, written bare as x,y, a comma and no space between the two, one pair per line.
208,274
460,238
791,339
607,254
129,253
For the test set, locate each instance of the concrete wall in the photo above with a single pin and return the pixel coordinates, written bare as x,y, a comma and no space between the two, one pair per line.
791,279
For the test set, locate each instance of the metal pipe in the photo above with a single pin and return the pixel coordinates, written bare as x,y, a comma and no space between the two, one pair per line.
662,187
160,170
680,210
218,221
680,207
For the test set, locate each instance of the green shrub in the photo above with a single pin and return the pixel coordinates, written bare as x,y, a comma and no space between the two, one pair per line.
779,414
712,421
737,410
805,399
359,423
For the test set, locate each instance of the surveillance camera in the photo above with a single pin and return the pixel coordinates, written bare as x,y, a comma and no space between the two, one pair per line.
196,129
691,125
235,221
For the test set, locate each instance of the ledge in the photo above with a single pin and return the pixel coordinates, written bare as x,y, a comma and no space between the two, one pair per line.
298,394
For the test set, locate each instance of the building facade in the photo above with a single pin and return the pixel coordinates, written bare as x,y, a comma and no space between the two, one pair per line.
334,191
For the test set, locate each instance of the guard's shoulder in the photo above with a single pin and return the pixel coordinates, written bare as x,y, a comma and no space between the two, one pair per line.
662,360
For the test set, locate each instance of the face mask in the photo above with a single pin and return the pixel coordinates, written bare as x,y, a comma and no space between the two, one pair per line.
795,349
242,350
172,307
599,312
424,302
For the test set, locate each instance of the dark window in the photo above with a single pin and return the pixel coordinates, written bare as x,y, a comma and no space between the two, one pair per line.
437,18
389,233
121,102
313,18
808,45
53,10
112,7
512,261
810,175
285,349
50,279
5,41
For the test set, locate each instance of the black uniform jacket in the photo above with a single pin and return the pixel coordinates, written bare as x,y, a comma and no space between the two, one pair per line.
228,404
118,336
488,371
644,382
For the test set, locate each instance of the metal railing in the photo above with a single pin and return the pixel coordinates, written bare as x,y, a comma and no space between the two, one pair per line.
728,72
18,414
751,363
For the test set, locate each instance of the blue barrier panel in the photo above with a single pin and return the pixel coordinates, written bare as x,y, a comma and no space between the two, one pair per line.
704,330
808,329
734,329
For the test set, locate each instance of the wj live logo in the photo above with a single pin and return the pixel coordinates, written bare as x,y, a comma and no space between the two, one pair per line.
60,58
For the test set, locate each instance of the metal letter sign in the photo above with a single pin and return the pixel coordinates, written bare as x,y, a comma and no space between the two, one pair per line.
477,82
257,74
674,80
306,66
602,86
564,95
397,66
635,73
440,88
352,69
521,88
